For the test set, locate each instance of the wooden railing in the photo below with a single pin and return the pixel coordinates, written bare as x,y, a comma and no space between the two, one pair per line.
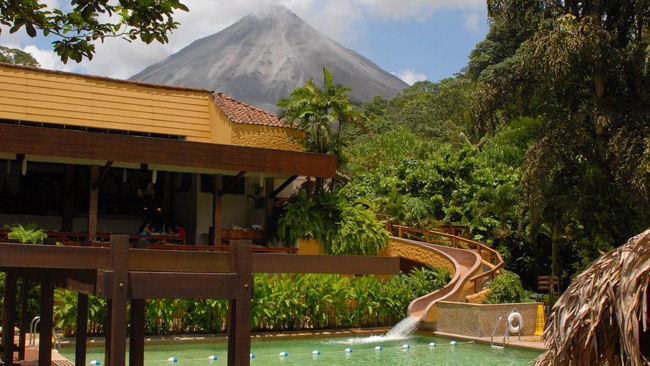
488,254
160,241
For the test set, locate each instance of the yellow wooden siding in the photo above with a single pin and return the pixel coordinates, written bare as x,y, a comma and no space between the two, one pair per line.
30,95
221,129
266,136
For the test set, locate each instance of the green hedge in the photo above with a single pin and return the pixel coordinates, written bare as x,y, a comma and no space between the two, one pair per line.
281,302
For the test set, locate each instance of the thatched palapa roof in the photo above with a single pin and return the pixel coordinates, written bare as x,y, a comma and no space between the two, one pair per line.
603,314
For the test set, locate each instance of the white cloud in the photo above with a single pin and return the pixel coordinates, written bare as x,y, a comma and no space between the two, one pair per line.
410,76
48,59
472,22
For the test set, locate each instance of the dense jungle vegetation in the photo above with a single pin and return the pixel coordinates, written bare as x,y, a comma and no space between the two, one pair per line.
540,143
281,302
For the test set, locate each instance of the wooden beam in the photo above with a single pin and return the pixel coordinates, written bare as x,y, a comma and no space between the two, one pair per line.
282,263
81,330
47,256
50,256
62,143
177,261
45,326
119,295
9,318
161,285
102,175
284,185
232,183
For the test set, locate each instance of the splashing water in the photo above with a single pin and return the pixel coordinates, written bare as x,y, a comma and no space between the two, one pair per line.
402,330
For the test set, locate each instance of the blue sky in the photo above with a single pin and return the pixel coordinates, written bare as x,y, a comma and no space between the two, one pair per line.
414,39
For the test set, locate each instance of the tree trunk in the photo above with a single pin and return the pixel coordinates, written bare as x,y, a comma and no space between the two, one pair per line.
555,260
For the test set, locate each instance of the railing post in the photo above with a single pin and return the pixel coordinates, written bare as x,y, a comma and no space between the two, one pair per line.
453,241
119,294
399,232
9,318
239,319
82,329
45,331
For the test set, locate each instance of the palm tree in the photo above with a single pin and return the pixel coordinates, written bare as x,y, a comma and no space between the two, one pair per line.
321,113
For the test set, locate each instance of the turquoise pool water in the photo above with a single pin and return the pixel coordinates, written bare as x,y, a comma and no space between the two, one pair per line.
332,352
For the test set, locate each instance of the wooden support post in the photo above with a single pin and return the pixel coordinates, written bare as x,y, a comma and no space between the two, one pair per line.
216,210
24,287
269,205
108,321
9,318
45,329
119,294
239,318
136,342
92,204
68,198
284,185
82,329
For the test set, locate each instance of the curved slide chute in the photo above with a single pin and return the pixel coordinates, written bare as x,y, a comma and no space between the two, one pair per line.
471,263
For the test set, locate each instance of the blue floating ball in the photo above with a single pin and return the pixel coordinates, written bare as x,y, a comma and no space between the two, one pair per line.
95,362
378,348
284,354
252,355
315,352
172,359
433,344
348,350
406,346
213,357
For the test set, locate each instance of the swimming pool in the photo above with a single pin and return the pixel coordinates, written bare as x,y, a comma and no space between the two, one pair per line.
332,352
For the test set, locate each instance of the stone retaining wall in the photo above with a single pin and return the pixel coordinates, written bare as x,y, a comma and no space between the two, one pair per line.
478,320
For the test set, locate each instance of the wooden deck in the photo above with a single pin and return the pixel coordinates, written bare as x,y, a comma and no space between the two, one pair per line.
121,274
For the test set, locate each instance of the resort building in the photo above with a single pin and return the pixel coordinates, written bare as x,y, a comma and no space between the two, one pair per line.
92,155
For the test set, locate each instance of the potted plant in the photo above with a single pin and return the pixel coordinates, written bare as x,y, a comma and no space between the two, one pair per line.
29,233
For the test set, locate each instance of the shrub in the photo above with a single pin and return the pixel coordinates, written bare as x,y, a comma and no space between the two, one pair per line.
305,218
343,227
358,231
506,288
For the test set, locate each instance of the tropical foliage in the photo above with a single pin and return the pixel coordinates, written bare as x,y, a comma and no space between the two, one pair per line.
281,302
506,288
87,21
344,227
323,114
539,145
26,234
17,56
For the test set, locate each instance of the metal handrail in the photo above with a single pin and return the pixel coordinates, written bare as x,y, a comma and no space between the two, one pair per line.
32,330
494,331
33,325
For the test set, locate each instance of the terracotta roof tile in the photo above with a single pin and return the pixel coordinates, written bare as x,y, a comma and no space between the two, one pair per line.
240,112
